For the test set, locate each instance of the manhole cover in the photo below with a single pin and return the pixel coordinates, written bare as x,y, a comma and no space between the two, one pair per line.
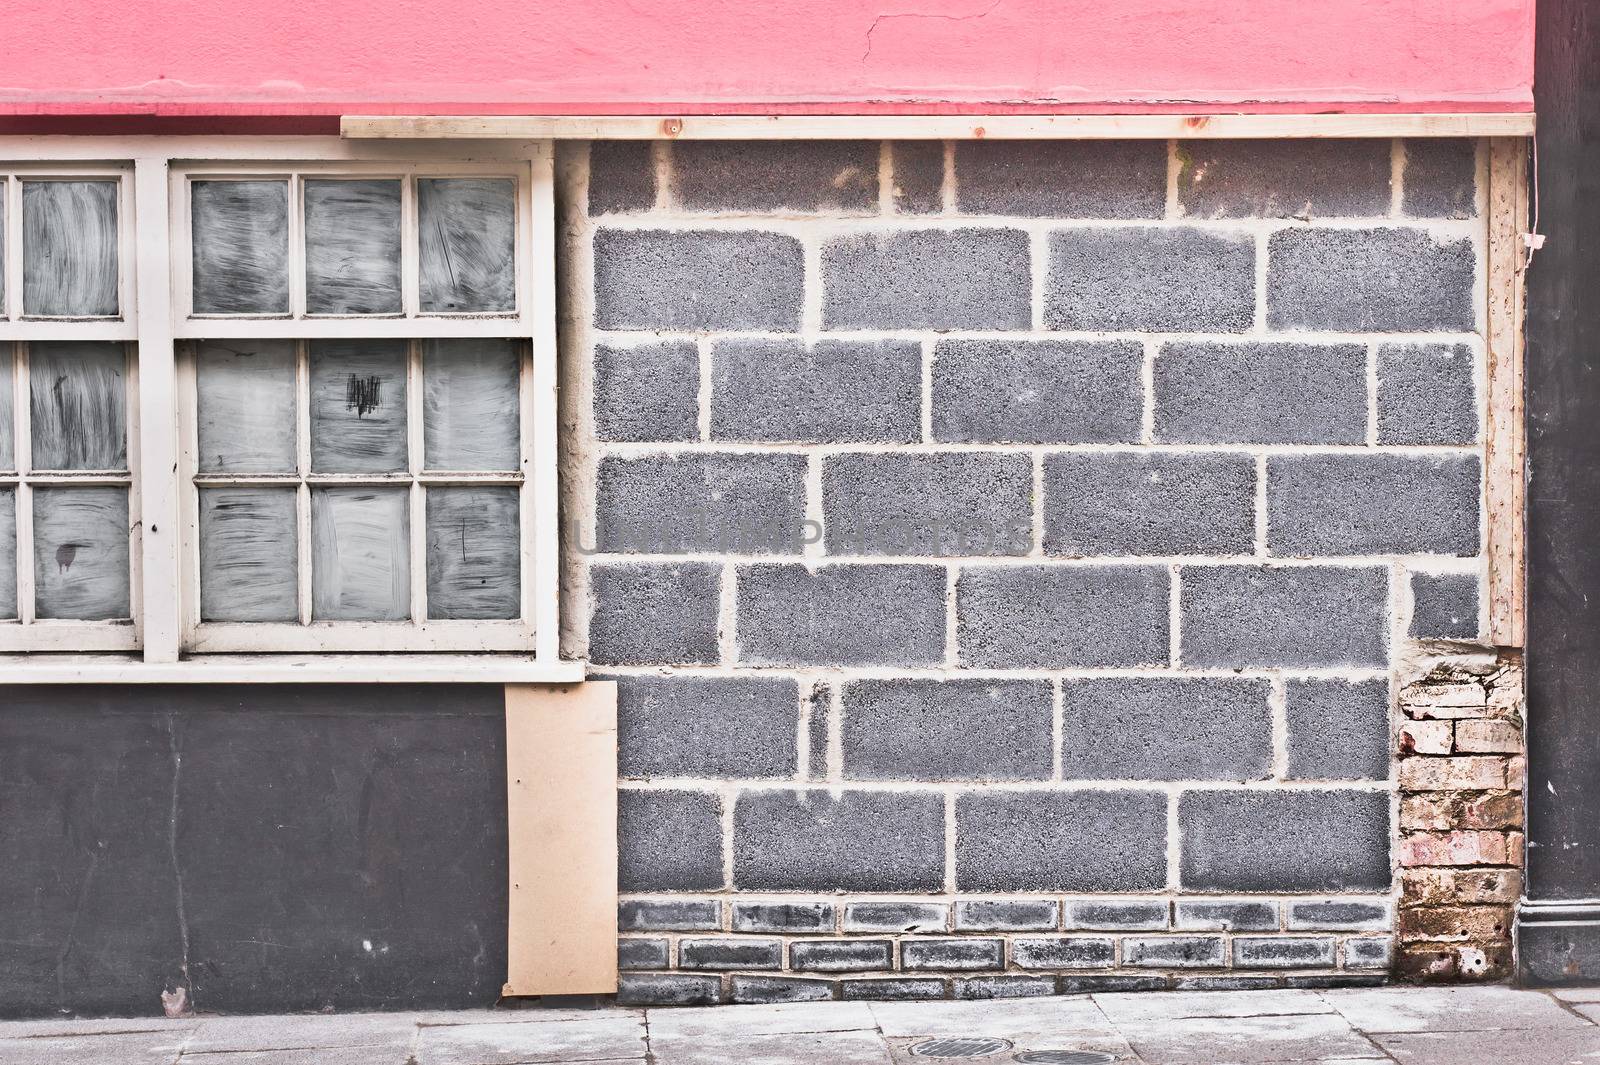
960,1046
1065,1057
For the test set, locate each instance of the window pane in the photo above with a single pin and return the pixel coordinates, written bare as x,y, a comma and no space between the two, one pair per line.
246,398
468,232
79,405
470,407
360,562
241,247
8,431
69,248
474,556
353,247
4,199
8,553
80,553
248,556
358,406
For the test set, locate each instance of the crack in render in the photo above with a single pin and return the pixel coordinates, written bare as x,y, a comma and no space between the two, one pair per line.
919,14
177,870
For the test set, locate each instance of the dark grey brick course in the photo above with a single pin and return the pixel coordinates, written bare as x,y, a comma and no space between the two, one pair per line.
1290,616
668,989
841,955
641,953
783,917
1062,178
1135,728
668,915
841,614
1369,280
1339,915
1261,393
668,841
1007,915
725,953
1044,616
1440,178
1229,915
1427,394
1283,178
1160,280
862,841
947,730
1283,952
911,989
1327,980
1225,983
896,917
1100,985
992,987
782,175
1368,953
764,990
831,391
731,727
918,176
715,502
1285,841
647,613
965,503
927,279
1338,730
1062,952
622,176
1149,503
1175,952
656,279
1117,914
952,955
1061,841
648,392
1444,606
1364,504
1038,391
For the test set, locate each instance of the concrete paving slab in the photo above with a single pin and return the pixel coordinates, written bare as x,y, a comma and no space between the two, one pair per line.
799,1048
134,1048
717,1021
989,1017
1576,994
1246,1040
300,1031
1541,1047
1107,1042
520,1015
1144,1006
602,1038
78,1026
359,1055
1449,1009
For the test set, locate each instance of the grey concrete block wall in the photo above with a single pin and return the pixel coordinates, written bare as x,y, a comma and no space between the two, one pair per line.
1006,550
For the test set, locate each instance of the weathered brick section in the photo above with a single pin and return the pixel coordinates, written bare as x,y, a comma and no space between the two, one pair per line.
1461,821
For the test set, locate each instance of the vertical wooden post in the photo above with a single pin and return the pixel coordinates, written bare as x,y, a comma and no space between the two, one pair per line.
561,812
1505,482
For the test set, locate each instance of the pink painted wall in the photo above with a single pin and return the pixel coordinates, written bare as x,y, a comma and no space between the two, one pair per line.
301,57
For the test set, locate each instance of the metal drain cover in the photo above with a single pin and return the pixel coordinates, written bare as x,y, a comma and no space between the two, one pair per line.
1065,1057
960,1046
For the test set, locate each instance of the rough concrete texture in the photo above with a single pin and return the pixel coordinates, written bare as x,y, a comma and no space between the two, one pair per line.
1123,480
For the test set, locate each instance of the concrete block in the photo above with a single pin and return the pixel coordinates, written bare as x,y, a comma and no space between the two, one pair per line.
1338,730
668,915
1062,616
1261,393
647,613
952,955
860,841
668,840
1149,503
1062,952
910,989
1283,178
1038,391
721,727
918,186
622,177
1062,178
1000,987
1104,985
841,955
1427,394
648,392
1384,504
1174,952
947,730
782,175
668,989
728,952
1340,915
896,917
733,280
702,502
1302,617
829,391
1283,952
1382,280
782,917
1440,178
927,279
1007,915
1376,952
1159,280
634,953
772,990
841,615
919,504
1227,915
1122,915
1444,606
1290,841
1136,728
1061,841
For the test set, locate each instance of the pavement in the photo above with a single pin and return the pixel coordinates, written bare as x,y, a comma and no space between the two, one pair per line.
1414,1026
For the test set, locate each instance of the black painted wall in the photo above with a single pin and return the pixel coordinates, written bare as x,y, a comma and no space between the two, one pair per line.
267,848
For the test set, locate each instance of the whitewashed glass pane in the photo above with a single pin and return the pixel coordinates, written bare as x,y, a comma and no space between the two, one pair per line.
4,200
246,392
79,405
470,408
8,423
80,553
358,406
69,248
8,554
474,557
468,233
241,247
360,562
248,556
353,247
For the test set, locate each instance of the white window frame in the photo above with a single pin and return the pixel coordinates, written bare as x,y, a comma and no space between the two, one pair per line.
153,214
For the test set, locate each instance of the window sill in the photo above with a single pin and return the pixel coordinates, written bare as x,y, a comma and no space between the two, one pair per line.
288,669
